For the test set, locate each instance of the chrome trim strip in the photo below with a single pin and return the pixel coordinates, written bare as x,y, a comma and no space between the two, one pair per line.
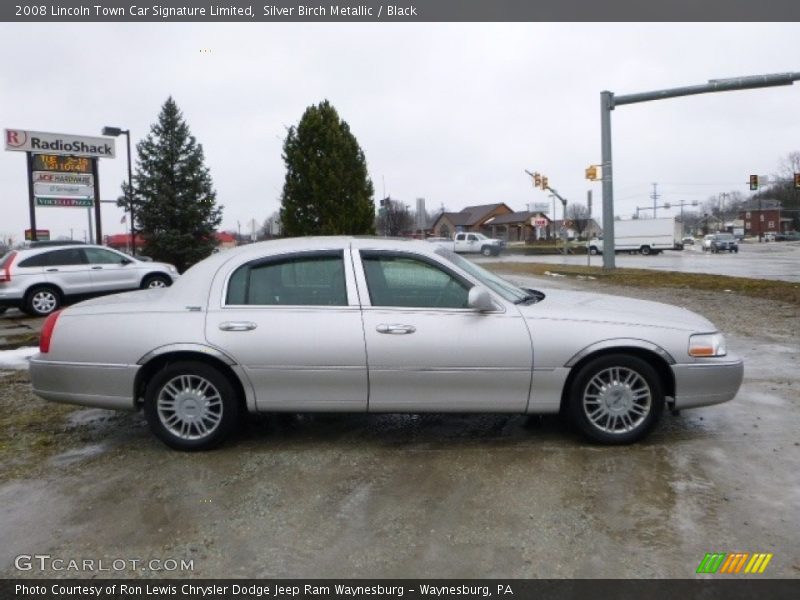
186,347
60,363
616,343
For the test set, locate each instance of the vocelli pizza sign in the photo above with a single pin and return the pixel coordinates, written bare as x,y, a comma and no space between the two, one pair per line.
39,142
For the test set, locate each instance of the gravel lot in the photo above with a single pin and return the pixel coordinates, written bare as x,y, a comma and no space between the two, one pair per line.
422,496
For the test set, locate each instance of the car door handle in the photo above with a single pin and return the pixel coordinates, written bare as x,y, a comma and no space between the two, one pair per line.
52,270
96,268
395,329
237,326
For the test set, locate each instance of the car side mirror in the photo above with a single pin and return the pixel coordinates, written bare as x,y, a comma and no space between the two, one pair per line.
126,261
480,300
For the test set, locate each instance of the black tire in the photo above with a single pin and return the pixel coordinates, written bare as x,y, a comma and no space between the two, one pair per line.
41,301
593,251
487,251
645,250
627,380
3,309
156,280
172,406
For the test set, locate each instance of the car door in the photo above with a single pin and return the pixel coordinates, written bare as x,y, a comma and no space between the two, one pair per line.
427,350
67,268
293,323
111,270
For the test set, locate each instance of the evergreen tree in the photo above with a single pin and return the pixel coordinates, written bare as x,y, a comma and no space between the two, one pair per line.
174,199
327,190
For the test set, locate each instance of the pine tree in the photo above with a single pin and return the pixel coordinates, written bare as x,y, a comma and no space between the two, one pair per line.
174,198
327,190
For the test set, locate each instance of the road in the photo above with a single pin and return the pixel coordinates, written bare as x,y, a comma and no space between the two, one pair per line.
776,260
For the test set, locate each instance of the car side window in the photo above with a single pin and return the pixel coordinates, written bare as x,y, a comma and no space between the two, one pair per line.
406,281
56,258
317,280
472,238
98,256
460,237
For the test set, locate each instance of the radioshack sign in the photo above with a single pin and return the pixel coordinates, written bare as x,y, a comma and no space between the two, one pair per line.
58,143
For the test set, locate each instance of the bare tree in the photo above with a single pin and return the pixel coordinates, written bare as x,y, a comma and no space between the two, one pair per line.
394,218
580,217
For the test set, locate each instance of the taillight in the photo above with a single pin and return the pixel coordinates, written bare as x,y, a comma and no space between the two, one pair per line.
47,332
5,275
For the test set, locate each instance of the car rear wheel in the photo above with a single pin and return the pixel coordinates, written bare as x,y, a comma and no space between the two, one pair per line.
593,251
42,301
616,399
191,406
156,281
645,250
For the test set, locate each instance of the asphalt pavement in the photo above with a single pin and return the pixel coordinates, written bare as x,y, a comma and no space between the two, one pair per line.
772,260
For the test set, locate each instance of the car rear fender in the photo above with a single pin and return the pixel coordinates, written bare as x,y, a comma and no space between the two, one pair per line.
158,358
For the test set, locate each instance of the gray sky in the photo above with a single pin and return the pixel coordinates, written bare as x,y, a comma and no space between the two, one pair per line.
450,112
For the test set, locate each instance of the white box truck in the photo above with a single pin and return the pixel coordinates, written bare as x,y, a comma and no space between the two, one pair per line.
647,236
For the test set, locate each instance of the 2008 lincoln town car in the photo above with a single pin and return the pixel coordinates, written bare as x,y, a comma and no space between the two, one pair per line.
375,325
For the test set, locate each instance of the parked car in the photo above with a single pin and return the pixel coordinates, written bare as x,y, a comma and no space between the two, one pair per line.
688,241
40,279
724,242
770,236
287,326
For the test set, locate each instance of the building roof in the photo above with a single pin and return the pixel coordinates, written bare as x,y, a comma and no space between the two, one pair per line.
470,215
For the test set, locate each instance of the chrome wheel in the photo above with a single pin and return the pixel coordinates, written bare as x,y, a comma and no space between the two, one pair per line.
189,407
617,400
43,302
155,282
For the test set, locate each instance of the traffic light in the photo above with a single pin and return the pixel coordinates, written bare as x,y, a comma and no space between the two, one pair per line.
753,182
537,179
591,173
797,181
544,183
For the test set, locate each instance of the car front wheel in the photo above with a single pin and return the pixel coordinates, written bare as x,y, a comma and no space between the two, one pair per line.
42,301
191,406
616,399
487,251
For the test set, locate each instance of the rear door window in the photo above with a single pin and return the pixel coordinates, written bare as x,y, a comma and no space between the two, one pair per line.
311,280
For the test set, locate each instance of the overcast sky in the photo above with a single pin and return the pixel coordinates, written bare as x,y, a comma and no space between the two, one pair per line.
452,113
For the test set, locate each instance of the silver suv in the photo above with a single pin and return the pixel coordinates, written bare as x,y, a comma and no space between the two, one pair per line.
39,280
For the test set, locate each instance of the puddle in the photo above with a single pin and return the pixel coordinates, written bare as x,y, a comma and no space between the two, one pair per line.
76,455
91,416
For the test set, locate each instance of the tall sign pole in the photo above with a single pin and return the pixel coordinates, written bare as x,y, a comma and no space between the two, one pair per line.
31,199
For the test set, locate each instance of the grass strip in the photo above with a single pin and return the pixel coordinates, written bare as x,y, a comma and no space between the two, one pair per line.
784,291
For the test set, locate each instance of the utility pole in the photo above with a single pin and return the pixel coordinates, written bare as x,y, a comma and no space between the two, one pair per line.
654,196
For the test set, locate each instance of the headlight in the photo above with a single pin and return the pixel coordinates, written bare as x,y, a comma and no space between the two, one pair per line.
707,344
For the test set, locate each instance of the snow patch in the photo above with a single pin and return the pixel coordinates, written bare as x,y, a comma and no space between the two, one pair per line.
17,358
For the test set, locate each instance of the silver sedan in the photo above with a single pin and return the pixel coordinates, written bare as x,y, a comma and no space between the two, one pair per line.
374,325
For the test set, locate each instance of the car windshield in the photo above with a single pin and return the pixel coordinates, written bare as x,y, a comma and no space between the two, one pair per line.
507,290
725,237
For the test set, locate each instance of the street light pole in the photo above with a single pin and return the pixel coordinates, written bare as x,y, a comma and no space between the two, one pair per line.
608,102
116,131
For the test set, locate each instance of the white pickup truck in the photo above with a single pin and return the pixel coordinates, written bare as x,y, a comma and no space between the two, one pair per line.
478,243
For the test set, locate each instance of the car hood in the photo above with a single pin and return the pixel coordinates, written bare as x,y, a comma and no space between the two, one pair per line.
603,308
